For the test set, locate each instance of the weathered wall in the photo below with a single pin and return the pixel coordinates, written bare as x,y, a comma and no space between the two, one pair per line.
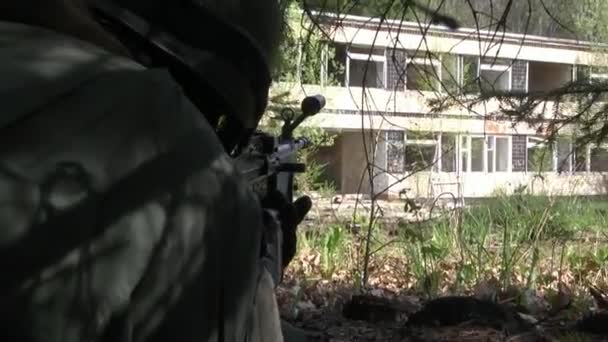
386,110
486,185
331,159
354,164
535,49
349,154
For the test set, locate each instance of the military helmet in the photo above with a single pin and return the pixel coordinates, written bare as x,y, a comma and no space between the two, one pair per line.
220,67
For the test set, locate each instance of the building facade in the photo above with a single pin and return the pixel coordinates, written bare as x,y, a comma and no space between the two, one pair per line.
378,107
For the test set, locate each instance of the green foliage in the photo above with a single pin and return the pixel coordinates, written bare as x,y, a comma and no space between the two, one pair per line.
427,247
507,235
333,244
311,180
304,51
582,19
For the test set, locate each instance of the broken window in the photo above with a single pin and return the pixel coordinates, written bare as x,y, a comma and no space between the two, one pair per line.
545,76
395,151
490,74
497,154
420,151
333,72
450,73
423,73
599,159
583,73
470,70
495,77
366,67
540,155
599,73
448,153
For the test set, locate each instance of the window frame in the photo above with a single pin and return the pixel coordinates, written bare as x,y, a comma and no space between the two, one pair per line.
469,141
436,63
422,142
504,69
373,56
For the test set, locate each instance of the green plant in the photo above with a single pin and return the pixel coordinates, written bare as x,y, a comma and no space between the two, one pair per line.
333,245
304,50
312,178
426,246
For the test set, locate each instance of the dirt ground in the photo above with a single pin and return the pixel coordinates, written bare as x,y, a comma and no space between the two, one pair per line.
325,309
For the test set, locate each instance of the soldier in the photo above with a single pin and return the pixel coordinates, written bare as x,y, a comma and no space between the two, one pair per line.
78,114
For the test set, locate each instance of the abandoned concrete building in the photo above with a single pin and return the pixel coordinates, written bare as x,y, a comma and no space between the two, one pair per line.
378,108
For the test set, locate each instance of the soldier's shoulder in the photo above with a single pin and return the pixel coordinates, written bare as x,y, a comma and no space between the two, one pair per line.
39,67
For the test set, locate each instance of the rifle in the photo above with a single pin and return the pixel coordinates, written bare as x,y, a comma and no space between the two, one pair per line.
269,164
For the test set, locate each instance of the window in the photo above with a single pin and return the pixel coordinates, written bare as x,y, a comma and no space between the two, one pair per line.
464,153
472,154
581,154
423,74
490,74
598,159
420,151
564,155
477,154
497,154
485,154
448,153
451,75
490,145
589,74
470,71
395,151
366,67
582,73
599,73
540,155
333,69
495,77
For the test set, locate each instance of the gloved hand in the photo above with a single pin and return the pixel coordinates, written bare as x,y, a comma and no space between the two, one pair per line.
290,216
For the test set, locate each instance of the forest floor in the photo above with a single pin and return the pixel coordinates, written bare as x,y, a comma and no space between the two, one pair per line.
326,309
320,293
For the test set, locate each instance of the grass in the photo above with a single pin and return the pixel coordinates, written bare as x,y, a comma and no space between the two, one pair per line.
520,240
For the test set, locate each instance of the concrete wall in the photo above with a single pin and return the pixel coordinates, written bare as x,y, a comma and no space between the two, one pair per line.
405,109
486,185
349,154
331,158
539,49
353,160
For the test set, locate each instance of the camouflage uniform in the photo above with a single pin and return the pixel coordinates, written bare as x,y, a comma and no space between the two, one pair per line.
65,100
